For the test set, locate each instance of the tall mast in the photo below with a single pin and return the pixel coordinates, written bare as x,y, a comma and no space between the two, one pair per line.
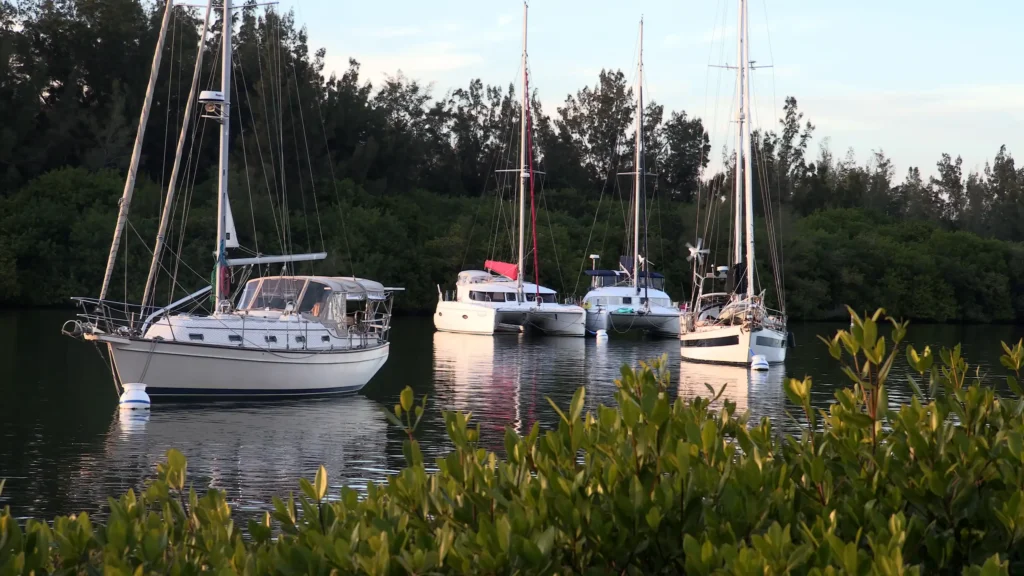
133,168
639,146
524,173
165,217
748,173
225,133
737,254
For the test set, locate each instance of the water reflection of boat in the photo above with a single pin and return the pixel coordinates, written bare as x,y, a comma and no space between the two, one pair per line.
253,451
605,360
503,381
759,392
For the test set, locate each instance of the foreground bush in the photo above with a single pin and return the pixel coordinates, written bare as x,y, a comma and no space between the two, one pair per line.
651,486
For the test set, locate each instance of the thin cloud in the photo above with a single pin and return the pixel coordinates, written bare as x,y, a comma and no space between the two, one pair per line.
390,32
417,61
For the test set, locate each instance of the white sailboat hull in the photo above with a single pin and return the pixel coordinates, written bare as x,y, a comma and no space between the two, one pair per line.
180,369
732,345
660,322
473,318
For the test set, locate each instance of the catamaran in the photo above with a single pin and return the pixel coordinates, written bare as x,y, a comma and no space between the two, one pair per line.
632,298
729,321
497,299
284,335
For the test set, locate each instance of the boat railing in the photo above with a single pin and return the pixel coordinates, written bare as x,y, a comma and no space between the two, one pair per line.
445,295
107,317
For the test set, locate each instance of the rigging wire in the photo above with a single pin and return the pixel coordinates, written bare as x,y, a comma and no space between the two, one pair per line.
502,178
780,271
309,159
167,101
492,166
611,174
259,142
334,180
334,183
190,183
270,136
245,156
302,195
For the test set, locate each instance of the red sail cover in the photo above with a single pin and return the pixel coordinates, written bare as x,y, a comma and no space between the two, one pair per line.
510,271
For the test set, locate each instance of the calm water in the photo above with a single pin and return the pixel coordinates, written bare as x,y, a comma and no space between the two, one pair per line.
64,447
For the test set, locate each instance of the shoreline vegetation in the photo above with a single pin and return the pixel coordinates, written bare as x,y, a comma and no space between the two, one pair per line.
650,485
398,183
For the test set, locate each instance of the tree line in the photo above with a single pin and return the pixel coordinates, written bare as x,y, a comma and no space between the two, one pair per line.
403,185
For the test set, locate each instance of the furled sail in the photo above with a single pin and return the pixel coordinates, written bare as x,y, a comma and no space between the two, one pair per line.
510,271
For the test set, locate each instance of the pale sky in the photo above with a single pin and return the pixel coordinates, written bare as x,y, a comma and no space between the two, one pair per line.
914,78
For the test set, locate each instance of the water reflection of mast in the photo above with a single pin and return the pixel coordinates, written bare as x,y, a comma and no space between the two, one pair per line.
487,375
479,374
694,380
759,392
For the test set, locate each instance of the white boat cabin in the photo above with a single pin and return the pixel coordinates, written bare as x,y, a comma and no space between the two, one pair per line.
482,287
611,288
288,313
309,295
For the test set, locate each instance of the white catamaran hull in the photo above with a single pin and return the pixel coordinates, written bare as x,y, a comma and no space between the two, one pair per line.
732,345
551,319
179,369
661,323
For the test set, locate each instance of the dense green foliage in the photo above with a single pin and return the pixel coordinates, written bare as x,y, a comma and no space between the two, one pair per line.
399,184
652,485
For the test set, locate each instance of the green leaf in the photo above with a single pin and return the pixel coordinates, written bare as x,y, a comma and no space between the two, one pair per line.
546,541
406,399
576,407
653,517
321,483
1014,386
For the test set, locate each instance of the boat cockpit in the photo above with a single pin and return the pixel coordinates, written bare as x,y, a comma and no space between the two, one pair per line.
332,301
606,278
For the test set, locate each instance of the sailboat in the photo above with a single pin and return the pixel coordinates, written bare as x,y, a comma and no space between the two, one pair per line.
732,324
286,335
632,298
497,299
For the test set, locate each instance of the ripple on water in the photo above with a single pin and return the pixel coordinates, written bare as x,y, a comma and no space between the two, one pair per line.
66,448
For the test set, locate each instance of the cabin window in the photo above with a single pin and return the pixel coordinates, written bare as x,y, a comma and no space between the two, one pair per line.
510,296
325,338
300,339
195,337
480,296
234,338
276,293
712,342
312,300
545,298
270,339
334,309
627,299
248,293
770,342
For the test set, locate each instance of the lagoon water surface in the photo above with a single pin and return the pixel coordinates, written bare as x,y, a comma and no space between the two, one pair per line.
65,448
